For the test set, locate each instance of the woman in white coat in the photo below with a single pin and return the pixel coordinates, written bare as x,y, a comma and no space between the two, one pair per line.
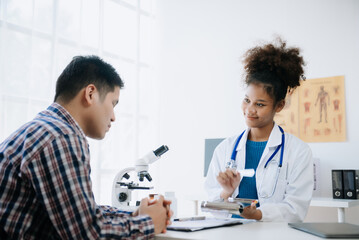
283,182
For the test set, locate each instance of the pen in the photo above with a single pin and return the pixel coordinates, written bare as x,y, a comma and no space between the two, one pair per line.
190,219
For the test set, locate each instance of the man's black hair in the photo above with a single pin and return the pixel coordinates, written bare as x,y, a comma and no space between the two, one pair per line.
85,70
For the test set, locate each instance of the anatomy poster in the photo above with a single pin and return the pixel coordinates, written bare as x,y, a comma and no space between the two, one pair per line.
288,118
320,111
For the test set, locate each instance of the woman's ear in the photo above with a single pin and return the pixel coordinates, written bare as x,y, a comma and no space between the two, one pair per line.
280,105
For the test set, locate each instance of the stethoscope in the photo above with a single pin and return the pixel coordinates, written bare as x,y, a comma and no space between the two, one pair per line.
232,163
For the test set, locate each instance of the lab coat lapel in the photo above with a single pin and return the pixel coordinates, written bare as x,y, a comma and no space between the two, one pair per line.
241,151
275,139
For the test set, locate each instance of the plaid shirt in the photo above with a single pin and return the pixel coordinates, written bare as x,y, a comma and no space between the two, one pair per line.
45,185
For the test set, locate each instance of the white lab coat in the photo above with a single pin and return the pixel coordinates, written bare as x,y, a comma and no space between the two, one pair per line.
293,190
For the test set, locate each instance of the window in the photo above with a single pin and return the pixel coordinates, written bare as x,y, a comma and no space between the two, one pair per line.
38,38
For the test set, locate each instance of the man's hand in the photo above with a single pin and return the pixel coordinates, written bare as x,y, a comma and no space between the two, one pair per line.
166,204
229,181
158,210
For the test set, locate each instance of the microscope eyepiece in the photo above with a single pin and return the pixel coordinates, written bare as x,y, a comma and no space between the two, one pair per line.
161,150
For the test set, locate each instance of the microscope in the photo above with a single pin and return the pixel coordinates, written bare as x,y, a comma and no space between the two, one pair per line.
122,191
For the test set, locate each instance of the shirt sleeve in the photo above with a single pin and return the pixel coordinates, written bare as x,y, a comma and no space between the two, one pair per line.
112,211
211,185
60,176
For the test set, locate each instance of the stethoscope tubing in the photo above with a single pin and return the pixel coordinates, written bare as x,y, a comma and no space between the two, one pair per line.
281,146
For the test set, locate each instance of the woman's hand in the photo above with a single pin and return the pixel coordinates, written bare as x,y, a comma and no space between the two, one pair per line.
229,181
251,212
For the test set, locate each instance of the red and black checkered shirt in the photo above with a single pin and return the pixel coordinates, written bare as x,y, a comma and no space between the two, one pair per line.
45,185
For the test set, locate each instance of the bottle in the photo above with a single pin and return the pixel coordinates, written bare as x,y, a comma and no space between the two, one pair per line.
171,196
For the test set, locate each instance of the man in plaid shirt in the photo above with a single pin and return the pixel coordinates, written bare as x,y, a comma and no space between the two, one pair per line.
45,185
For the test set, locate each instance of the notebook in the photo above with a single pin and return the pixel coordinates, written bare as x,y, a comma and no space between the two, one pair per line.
328,230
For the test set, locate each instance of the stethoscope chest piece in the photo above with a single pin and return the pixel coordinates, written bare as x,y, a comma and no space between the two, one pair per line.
231,164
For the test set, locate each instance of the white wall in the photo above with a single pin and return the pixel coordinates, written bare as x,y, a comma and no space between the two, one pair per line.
200,43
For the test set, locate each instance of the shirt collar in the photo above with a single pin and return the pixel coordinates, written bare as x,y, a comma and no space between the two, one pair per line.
62,113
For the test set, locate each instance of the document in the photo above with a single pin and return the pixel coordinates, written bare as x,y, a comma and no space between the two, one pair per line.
196,225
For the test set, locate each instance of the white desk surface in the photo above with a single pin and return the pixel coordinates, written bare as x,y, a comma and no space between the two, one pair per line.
251,231
330,202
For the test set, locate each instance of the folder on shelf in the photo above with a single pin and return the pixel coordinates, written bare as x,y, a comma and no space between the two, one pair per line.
337,183
351,184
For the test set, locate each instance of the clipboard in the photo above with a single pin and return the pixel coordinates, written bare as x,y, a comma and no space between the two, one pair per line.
244,201
231,206
196,225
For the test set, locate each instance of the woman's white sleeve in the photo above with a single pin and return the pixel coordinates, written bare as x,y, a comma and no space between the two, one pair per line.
211,185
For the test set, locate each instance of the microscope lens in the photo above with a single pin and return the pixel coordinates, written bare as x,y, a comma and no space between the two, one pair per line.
148,176
161,150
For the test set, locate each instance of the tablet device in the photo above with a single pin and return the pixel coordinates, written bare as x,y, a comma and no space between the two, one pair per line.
328,230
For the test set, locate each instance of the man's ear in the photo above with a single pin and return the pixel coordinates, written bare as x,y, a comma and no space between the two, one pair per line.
90,92
280,105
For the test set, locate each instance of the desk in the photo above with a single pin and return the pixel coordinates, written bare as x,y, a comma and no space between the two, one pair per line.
254,231
341,204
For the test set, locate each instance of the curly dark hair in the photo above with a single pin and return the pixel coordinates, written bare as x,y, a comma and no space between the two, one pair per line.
276,66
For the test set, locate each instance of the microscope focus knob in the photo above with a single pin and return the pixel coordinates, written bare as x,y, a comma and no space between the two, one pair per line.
122,197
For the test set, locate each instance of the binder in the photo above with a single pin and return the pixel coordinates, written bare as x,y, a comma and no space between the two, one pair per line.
337,184
351,184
